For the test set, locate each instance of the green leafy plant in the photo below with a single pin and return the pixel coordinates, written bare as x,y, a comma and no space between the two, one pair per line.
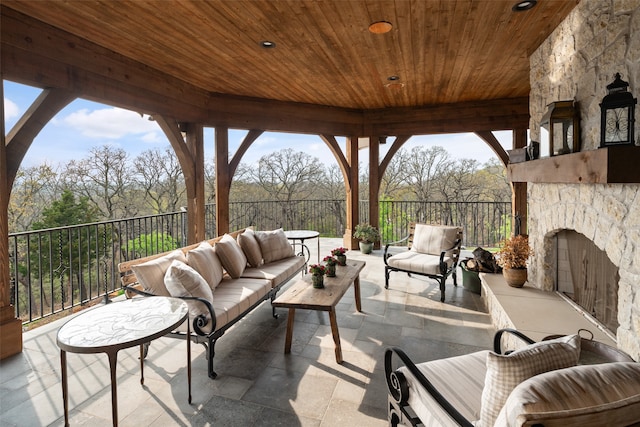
329,260
317,269
366,233
338,251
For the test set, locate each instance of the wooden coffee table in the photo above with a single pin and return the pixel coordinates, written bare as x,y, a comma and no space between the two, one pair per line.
303,295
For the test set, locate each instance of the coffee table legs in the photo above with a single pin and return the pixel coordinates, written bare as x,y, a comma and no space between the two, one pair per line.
336,334
290,319
356,290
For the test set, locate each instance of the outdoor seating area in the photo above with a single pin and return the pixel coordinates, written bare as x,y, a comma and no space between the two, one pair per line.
257,383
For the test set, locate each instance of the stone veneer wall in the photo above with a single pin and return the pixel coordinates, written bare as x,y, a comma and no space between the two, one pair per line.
598,39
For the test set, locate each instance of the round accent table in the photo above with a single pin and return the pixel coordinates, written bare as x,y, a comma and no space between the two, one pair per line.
112,327
302,235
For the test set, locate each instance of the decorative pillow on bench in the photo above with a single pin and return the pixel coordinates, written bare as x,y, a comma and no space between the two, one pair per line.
231,256
205,261
150,274
182,280
505,372
274,245
250,247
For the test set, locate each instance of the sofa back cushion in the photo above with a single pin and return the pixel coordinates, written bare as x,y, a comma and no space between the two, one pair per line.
586,395
231,256
505,372
250,247
274,245
433,239
205,261
150,274
182,280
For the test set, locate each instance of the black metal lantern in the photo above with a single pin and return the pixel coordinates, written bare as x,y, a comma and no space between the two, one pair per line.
560,129
617,120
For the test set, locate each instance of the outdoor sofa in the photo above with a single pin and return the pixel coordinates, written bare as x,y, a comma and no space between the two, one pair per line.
562,381
222,279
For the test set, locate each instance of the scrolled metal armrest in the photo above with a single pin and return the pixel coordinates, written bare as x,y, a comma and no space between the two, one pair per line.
497,338
386,254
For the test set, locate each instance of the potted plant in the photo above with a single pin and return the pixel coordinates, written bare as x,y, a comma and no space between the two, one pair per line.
330,263
368,235
340,254
512,257
317,275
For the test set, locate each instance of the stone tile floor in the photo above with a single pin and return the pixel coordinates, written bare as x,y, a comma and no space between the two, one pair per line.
257,384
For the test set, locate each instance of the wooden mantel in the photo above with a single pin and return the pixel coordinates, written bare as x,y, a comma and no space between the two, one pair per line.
610,165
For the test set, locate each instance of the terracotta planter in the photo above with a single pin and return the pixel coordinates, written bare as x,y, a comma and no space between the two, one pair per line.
515,277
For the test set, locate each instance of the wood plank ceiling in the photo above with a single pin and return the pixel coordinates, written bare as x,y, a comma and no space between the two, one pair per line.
442,51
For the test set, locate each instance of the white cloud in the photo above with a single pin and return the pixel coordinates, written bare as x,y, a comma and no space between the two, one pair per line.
11,109
151,137
112,123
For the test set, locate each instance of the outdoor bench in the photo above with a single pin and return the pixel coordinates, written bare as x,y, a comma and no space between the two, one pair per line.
222,280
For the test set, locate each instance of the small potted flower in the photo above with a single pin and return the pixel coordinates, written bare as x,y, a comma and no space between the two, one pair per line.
330,262
368,235
341,255
317,275
512,257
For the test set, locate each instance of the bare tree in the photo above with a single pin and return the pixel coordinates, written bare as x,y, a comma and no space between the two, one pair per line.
160,175
33,190
104,177
423,167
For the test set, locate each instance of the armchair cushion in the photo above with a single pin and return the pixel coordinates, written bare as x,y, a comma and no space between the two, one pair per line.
504,373
150,274
586,395
418,262
433,239
204,260
182,280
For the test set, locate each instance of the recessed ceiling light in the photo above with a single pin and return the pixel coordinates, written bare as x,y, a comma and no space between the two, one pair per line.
267,44
523,5
380,27
393,78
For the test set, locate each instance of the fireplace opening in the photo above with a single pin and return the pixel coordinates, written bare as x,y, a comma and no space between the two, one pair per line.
587,276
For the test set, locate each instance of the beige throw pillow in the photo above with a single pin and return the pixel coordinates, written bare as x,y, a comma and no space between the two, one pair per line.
504,373
150,274
250,247
182,280
274,245
231,256
205,261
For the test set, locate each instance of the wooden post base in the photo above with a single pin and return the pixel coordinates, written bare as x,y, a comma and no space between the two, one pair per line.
10,333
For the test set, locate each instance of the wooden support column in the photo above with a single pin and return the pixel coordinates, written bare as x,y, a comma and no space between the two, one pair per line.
374,184
195,185
353,198
223,180
519,190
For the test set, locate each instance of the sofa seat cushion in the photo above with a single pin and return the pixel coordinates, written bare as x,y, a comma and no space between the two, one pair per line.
460,380
433,239
278,271
586,395
418,262
234,296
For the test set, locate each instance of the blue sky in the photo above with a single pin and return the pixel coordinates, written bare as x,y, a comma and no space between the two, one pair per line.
85,124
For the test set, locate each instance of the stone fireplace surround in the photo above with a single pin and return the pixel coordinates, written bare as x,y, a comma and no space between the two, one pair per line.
596,40
607,214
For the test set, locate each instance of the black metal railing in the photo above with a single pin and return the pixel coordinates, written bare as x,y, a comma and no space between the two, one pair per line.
57,269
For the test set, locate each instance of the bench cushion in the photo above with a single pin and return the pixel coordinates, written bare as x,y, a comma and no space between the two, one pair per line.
231,256
418,262
274,245
277,271
150,274
505,372
205,261
433,239
587,395
460,380
183,280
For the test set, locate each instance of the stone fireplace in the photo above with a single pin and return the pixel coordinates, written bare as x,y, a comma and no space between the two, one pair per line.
609,216
598,39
